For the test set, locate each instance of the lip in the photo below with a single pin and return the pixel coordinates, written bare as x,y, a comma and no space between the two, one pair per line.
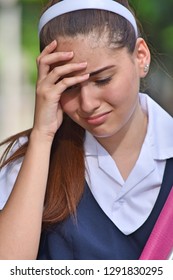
98,119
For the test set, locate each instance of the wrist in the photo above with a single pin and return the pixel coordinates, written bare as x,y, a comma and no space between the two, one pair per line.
40,138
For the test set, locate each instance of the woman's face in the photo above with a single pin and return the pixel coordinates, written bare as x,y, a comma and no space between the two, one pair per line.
107,101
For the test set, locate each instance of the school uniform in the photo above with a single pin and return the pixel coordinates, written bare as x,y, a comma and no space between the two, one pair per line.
114,217
94,236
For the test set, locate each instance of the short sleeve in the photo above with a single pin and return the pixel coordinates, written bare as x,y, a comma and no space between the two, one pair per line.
8,174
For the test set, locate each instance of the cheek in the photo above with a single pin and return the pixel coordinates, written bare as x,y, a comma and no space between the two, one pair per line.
116,95
68,103
122,96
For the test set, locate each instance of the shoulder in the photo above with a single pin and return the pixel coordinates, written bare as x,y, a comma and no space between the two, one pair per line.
8,173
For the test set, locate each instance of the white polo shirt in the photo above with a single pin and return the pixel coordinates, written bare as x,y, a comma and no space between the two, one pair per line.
127,203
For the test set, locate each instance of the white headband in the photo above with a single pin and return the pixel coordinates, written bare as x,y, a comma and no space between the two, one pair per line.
67,6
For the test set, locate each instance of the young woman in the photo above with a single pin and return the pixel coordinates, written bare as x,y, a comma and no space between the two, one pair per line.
92,175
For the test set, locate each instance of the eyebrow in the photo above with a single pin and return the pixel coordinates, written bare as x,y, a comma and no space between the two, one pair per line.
101,70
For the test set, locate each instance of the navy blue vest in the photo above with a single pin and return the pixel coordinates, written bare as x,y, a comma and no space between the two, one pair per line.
94,236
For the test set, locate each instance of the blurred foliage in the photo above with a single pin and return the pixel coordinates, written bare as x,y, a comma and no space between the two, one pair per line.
155,16
157,21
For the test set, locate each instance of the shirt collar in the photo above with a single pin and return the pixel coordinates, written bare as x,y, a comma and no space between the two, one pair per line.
90,144
160,129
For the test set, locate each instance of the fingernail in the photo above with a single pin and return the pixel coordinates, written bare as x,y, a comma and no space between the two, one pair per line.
69,53
53,43
86,76
83,64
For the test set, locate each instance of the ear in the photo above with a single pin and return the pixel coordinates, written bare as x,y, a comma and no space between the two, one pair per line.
143,57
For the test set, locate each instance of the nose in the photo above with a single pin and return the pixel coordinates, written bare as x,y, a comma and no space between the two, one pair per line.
89,101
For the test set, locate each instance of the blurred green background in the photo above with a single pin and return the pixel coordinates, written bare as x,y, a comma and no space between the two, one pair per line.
19,49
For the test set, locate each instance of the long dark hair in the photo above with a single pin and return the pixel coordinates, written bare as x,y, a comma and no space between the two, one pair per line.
67,169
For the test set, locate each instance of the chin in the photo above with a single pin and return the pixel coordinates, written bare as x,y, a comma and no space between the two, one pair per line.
104,135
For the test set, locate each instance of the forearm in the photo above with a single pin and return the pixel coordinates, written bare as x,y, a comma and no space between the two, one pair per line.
20,220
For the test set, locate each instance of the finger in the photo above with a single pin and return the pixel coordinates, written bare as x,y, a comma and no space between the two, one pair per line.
47,50
58,73
70,81
46,62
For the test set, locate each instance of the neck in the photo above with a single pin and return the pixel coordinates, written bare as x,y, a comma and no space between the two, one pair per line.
125,145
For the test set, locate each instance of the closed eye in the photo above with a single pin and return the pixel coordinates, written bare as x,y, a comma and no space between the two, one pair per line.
99,83
103,82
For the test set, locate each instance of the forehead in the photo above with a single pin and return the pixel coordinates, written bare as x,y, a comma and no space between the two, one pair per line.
93,39
87,48
97,54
